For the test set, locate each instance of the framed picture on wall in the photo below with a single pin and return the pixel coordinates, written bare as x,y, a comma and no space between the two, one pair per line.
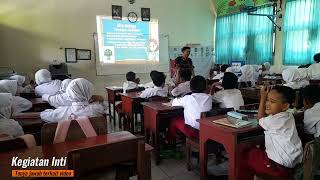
145,14
116,12
83,54
70,55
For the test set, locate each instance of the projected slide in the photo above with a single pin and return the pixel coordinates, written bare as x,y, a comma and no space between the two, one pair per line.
123,42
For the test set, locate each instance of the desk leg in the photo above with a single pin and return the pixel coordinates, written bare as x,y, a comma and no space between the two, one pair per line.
157,148
203,158
231,149
147,172
110,115
114,114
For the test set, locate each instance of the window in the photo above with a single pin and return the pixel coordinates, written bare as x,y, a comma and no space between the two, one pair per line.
301,31
246,38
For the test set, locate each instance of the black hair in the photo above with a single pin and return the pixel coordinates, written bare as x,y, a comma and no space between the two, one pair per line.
185,48
316,57
185,74
229,81
224,67
311,93
131,76
287,93
198,84
158,79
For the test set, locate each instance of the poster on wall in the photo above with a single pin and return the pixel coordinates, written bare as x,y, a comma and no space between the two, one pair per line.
116,12
225,7
145,14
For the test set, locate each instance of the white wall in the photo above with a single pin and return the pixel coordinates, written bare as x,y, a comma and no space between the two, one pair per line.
35,32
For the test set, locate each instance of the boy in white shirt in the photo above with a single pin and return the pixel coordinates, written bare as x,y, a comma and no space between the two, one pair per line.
159,89
193,105
283,147
314,69
131,83
184,87
222,71
229,97
150,84
311,102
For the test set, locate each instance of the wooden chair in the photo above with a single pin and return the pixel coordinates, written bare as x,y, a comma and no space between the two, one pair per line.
48,130
86,160
192,143
13,144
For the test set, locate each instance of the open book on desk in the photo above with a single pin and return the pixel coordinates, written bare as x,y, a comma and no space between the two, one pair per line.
235,123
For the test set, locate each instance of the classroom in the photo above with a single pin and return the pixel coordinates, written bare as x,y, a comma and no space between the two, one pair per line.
160,89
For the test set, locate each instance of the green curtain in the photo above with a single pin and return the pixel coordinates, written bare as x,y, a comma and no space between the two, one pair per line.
244,37
301,31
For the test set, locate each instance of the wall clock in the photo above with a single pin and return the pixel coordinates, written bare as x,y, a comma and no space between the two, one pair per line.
132,17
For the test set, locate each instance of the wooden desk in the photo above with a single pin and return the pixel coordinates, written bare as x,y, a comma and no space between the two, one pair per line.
63,150
154,114
234,140
250,95
113,96
39,105
273,81
130,106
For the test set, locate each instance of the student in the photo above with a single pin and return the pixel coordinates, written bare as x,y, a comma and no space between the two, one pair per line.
131,83
19,104
230,96
314,69
64,85
193,105
223,69
184,86
283,147
150,84
8,126
246,74
265,69
79,93
311,102
293,78
159,90
21,80
44,83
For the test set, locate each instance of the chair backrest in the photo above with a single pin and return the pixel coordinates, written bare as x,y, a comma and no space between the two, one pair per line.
75,132
244,84
88,159
12,144
311,159
253,106
135,89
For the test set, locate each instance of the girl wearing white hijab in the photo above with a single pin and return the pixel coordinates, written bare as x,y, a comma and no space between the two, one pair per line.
45,84
19,104
20,80
8,126
79,92
293,78
61,98
246,74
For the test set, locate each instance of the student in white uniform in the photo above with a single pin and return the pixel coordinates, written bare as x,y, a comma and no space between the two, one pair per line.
311,102
21,80
293,78
314,69
19,104
230,96
44,83
223,69
265,69
246,74
193,105
184,86
151,84
283,147
79,93
8,126
131,83
64,85
160,88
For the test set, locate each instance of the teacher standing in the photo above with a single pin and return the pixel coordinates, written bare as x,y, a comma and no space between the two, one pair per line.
183,62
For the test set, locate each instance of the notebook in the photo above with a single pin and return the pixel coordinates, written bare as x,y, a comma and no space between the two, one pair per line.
237,115
235,123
